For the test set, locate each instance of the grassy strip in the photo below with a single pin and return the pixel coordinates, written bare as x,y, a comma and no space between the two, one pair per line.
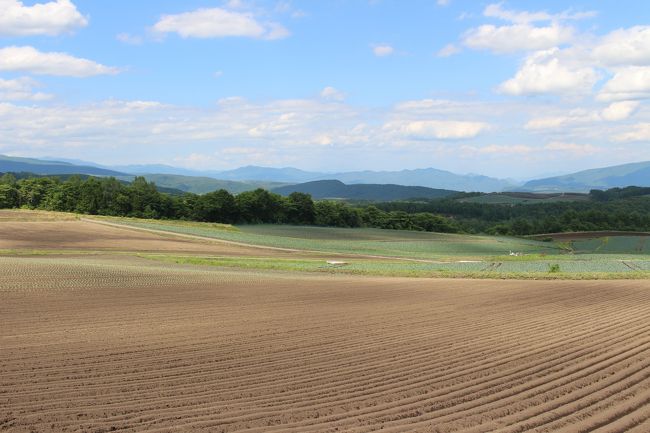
375,269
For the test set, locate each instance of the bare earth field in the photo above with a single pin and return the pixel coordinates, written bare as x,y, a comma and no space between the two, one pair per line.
82,235
115,342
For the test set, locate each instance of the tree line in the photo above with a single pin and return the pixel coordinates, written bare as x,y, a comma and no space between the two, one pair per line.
139,198
624,209
616,209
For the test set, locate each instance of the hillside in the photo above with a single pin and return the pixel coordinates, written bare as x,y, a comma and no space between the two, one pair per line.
29,165
637,174
334,189
201,184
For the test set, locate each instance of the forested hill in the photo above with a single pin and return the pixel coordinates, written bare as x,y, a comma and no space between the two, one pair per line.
334,189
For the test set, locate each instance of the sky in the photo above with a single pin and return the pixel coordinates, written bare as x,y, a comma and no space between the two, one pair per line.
513,89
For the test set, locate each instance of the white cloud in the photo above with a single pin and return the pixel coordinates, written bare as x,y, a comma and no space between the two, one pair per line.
448,50
517,37
624,47
436,129
547,72
52,18
129,39
619,110
614,112
218,23
383,50
29,59
442,2
640,132
496,10
21,89
332,94
632,82
522,34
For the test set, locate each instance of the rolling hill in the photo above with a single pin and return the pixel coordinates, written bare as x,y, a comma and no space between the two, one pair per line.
202,184
637,174
335,189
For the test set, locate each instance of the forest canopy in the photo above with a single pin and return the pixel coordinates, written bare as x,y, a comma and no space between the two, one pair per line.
625,209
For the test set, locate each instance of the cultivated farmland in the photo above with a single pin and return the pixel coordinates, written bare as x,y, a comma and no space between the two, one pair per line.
95,336
135,346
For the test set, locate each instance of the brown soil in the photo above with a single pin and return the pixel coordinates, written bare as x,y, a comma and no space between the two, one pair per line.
93,345
83,235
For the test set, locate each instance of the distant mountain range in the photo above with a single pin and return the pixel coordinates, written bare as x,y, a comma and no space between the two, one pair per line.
251,177
634,174
335,189
39,166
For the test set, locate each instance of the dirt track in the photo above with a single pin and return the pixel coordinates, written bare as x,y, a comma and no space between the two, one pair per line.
99,345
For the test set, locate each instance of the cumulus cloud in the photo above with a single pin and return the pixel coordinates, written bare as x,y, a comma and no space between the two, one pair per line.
614,112
332,94
632,82
547,72
383,50
436,129
52,18
624,47
639,132
619,110
496,10
29,59
522,34
517,37
21,89
218,23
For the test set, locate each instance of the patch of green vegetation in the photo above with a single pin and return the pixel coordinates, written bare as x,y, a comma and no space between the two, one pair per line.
375,242
554,268
481,270
613,245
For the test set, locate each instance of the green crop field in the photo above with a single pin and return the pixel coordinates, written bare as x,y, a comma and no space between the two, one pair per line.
417,254
613,245
389,243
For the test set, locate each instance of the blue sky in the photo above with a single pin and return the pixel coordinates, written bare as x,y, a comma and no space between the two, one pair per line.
509,89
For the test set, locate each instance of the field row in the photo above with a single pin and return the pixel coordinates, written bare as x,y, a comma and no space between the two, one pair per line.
142,346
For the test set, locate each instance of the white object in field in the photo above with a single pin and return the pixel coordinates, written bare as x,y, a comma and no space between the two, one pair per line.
336,263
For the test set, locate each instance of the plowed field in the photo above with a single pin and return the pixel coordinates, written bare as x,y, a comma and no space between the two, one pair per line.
89,344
